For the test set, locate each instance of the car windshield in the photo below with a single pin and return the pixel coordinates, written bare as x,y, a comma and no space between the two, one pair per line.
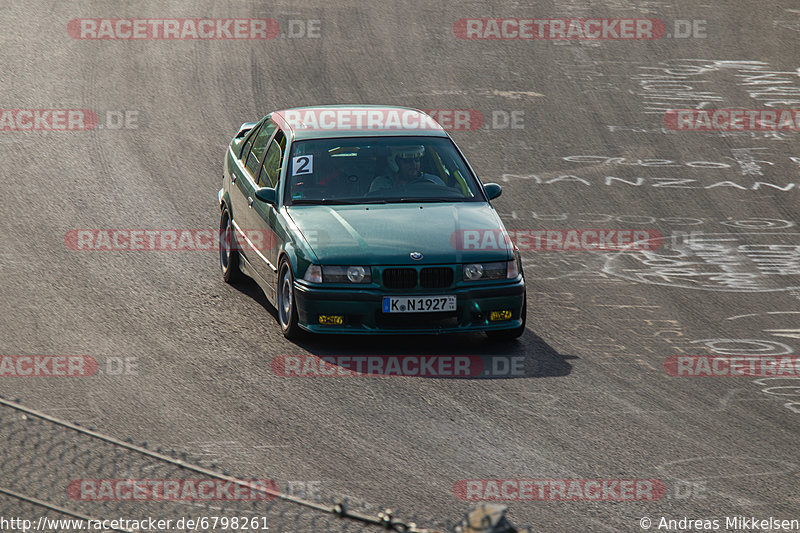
379,170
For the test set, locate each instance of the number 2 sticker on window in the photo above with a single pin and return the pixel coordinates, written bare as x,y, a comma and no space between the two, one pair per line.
302,164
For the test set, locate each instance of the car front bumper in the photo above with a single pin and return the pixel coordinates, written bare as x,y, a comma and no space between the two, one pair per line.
362,313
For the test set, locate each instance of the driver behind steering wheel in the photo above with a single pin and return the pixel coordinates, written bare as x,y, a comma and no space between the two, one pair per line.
405,163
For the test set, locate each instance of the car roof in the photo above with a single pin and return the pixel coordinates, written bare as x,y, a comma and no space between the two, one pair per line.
302,123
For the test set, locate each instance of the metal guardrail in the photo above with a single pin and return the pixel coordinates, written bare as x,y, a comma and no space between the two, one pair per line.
41,455
43,460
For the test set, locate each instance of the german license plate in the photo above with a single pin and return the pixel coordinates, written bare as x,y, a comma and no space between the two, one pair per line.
418,304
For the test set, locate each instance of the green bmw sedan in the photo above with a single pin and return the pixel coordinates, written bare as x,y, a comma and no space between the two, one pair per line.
367,220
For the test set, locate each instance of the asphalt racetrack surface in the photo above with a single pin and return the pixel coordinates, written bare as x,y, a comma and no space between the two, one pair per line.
580,134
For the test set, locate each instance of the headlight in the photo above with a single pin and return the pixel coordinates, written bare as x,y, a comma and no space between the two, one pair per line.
346,274
473,271
485,271
356,274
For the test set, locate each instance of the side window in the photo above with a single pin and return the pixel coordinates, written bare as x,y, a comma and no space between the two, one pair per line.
259,145
268,177
246,148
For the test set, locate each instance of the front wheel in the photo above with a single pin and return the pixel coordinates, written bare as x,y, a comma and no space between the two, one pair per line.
511,334
287,311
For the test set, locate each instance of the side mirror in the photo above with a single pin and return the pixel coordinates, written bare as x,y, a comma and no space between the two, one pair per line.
268,195
493,190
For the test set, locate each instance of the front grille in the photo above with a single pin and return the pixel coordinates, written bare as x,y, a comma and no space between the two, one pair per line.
399,278
436,277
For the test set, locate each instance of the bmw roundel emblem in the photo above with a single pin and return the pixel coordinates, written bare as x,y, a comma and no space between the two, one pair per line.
416,256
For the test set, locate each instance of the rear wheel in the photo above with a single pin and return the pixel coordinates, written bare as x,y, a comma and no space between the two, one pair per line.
511,334
287,310
228,257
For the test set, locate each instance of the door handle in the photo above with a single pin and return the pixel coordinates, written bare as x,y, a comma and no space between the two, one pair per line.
250,201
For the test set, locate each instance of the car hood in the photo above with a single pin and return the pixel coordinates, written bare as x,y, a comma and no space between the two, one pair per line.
386,234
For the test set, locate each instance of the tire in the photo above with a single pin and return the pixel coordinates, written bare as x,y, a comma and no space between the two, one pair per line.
287,310
511,334
228,257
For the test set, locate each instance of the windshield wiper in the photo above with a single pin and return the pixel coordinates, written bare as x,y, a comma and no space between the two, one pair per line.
323,201
422,200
